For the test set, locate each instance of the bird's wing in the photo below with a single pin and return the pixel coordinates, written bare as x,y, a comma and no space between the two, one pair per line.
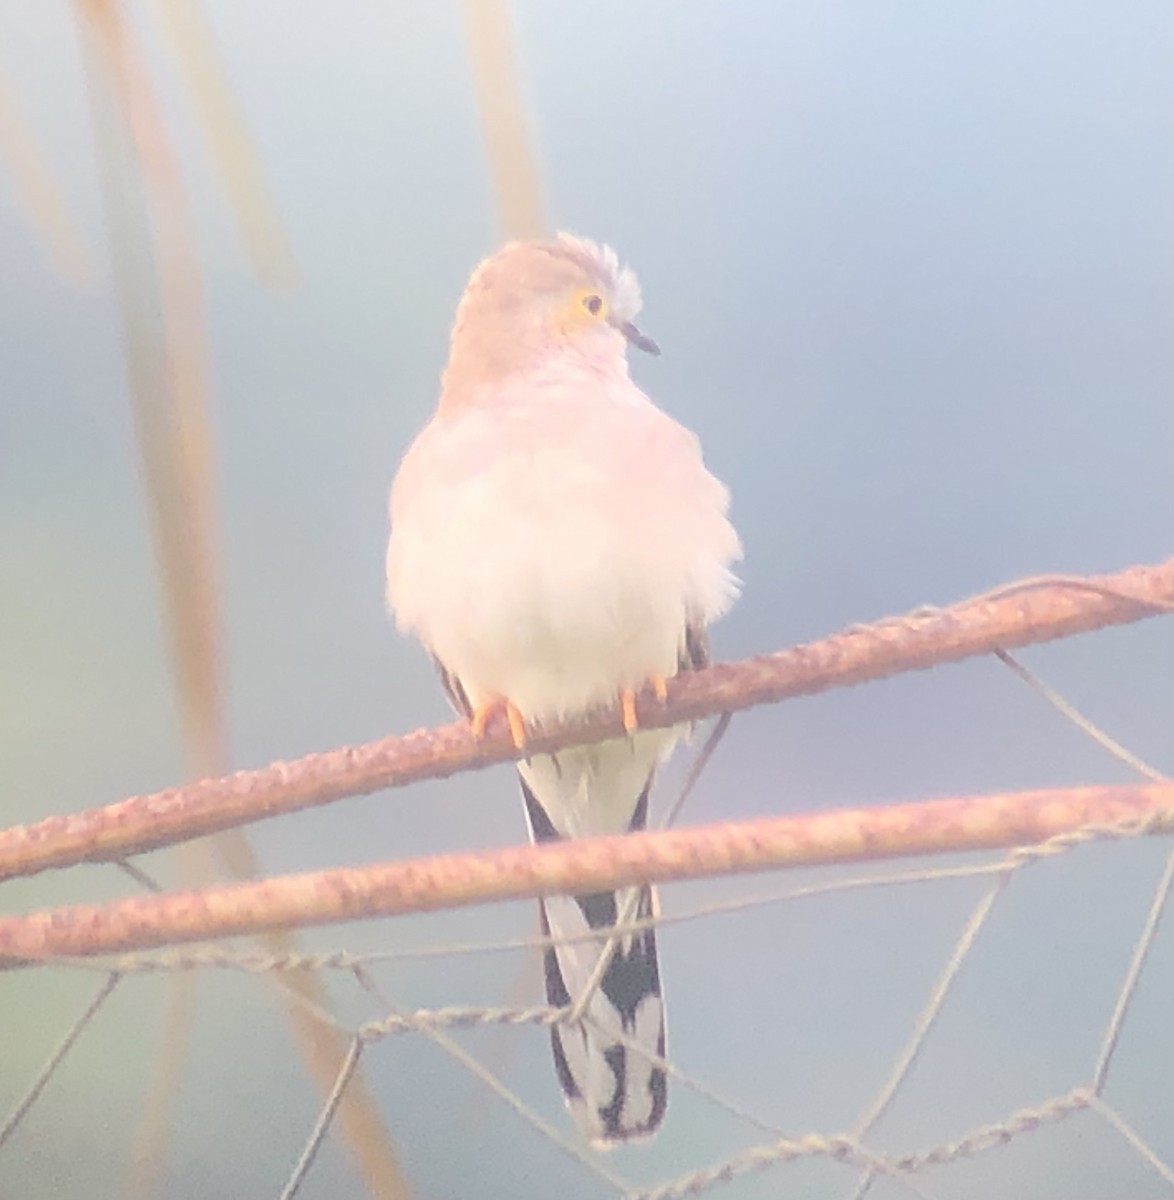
453,689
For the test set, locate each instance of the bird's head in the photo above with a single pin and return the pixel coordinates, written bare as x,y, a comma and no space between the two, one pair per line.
533,301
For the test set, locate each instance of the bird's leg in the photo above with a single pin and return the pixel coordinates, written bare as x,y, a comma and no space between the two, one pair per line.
627,696
482,714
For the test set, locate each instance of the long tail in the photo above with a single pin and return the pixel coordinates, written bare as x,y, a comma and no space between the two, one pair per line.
614,1090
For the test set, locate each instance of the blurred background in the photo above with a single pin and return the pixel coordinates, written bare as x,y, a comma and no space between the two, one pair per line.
910,269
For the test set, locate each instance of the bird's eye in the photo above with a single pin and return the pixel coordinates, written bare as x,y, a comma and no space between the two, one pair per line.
592,303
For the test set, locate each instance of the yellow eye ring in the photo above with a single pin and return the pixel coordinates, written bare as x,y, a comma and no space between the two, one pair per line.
593,304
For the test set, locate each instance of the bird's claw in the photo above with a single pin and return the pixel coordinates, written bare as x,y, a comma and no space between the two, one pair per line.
484,714
627,696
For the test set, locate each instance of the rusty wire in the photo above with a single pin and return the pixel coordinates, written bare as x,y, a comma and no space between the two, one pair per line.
1016,615
587,865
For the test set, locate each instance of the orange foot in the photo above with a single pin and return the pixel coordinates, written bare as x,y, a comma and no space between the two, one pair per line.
659,686
486,712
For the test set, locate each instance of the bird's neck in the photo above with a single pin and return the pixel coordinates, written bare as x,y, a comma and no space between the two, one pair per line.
467,383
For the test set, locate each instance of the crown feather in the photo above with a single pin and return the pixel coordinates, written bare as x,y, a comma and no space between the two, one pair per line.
602,261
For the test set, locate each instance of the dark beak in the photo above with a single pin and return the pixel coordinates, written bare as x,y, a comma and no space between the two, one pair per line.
640,340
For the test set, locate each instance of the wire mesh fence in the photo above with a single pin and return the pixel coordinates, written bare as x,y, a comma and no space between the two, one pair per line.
889,1147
